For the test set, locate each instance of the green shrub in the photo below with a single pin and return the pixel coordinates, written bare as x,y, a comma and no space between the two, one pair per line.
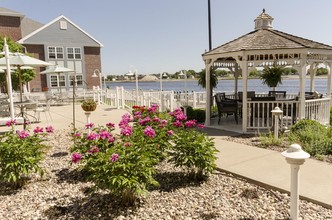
331,116
20,154
195,151
267,140
312,136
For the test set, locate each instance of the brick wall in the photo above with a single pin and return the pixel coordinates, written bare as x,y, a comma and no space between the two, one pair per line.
92,62
10,27
40,80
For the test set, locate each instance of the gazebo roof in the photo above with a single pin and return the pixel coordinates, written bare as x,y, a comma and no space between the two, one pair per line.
266,38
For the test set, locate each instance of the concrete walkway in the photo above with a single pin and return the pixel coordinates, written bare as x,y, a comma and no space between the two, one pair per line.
264,167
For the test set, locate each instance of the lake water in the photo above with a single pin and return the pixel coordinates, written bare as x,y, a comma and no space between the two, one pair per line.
289,85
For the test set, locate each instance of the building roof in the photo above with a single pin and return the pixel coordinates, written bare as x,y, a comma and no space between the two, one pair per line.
28,26
22,41
7,12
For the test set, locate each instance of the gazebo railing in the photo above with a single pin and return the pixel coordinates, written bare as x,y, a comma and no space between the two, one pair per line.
318,110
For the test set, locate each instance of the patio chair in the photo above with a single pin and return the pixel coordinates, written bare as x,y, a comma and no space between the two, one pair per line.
45,109
226,106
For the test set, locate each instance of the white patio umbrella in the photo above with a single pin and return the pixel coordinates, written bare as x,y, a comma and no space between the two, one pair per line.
57,69
20,60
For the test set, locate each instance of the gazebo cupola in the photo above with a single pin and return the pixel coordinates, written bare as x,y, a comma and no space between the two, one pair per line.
263,21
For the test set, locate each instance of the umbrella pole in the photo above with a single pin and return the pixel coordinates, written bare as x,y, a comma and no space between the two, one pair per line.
21,95
60,86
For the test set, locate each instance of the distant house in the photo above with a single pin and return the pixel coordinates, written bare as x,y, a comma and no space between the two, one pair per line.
59,42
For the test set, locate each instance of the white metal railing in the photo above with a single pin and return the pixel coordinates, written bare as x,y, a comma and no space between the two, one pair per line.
318,109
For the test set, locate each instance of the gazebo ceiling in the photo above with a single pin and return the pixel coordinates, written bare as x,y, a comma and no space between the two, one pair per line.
266,41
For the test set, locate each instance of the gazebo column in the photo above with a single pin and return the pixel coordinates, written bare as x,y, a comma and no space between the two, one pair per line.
236,81
302,86
244,67
312,77
208,65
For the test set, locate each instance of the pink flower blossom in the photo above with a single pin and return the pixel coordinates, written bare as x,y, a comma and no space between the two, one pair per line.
76,157
104,134
110,125
93,149
114,157
200,126
127,131
190,124
111,139
38,130
144,121
49,129
153,108
77,134
92,136
181,117
148,131
156,119
88,126
11,122
22,134
170,132
124,121
177,124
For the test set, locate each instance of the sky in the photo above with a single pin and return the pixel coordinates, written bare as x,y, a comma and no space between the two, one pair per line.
153,36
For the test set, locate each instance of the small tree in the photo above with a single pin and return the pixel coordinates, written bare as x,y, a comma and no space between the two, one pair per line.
271,76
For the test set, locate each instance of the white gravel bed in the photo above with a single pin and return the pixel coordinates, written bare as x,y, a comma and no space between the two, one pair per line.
62,194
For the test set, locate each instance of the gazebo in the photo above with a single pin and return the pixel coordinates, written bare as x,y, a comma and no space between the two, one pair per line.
267,47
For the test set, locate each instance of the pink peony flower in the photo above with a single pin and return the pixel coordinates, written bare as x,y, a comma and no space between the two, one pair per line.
110,125
148,131
153,108
92,136
104,134
144,121
49,129
76,157
93,149
127,144
127,131
170,132
10,123
200,126
177,124
190,124
77,134
38,130
88,126
22,134
114,157
111,139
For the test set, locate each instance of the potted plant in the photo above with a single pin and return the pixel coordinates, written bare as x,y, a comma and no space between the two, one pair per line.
271,76
89,105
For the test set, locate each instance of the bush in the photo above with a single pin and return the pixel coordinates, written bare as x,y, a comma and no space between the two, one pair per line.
196,114
312,136
20,154
125,164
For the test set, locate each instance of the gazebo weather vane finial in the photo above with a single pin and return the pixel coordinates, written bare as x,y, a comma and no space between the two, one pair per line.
263,10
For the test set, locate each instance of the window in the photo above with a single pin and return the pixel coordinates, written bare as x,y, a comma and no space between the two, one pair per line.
57,81
74,53
63,25
55,52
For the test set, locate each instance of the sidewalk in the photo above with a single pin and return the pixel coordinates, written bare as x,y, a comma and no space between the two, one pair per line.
269,168
263,167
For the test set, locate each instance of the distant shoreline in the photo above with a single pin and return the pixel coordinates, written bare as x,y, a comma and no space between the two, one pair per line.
291,77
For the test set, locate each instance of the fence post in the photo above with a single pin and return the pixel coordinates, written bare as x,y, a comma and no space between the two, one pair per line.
123,103
194,99
171,100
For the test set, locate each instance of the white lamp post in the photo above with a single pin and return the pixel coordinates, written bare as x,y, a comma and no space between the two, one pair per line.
276,113
100,75
100,83
295,156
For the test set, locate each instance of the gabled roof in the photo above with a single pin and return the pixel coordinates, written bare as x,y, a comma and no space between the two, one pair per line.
7,12
52,22
267,39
